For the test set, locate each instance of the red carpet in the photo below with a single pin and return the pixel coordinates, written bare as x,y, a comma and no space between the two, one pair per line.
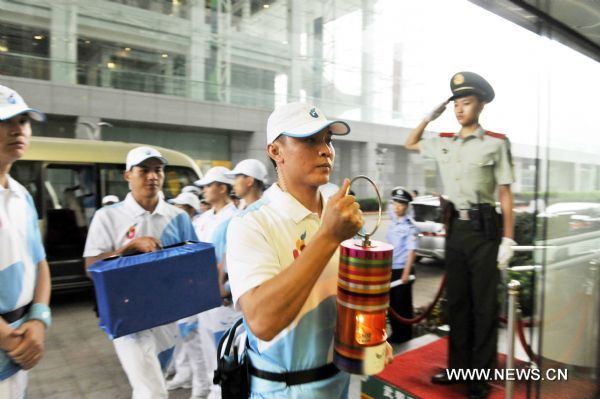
411,371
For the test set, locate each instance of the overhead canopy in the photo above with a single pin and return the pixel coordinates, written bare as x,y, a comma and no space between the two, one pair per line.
574,23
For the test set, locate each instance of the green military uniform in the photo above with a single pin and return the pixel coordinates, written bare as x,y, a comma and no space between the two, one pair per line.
475,164
471,168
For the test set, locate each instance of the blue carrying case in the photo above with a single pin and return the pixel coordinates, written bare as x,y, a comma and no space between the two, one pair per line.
138,292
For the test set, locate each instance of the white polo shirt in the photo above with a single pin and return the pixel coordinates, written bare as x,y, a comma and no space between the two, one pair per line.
21,250
116,225
206,224
262,241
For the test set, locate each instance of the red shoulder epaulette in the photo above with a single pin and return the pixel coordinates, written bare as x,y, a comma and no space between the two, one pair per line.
446,134
495,135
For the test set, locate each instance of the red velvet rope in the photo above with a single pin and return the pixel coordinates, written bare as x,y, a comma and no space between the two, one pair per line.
521,333
520,323
426,313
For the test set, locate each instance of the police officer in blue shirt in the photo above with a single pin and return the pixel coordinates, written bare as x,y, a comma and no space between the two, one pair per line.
402,235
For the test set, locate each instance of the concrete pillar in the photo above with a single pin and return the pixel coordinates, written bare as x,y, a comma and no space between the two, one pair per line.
311,43
367,73
223,69
370,168
105,71
578,183
197,51
246,11
63,41
169,79
295,27
415,176
317,57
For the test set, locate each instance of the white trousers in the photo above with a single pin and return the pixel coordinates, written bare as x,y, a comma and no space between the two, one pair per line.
14,387
138,354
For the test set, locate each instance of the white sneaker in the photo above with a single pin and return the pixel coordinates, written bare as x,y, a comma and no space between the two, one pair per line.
177,383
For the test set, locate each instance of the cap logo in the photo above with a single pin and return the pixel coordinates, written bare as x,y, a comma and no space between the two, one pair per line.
148,152
313,113
11,99
458,79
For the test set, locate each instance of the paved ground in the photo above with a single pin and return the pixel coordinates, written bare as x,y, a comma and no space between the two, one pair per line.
81,362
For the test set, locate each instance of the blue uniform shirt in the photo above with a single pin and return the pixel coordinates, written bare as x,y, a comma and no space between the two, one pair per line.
402,235
262,242
21,251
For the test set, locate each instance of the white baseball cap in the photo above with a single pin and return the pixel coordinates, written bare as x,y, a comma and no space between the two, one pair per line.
250,167
215,174
301,120
110,199
192,189
12,104
140,154
187,199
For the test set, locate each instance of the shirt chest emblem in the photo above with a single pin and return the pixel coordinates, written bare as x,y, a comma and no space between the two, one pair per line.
300,245
131,232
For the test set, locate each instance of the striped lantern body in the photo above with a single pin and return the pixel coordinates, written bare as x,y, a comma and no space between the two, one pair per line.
362,302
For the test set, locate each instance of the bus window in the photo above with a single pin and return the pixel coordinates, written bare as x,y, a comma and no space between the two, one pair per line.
112,181
176,178
74,188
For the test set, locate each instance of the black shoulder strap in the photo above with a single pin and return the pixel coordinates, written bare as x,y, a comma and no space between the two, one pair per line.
228,337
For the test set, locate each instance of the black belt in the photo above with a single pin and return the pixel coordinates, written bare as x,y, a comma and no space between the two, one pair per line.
16,314
297,377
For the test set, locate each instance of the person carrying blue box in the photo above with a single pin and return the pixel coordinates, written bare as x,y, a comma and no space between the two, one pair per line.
142,222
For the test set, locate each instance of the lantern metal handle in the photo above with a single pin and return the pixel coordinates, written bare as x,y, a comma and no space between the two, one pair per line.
366,237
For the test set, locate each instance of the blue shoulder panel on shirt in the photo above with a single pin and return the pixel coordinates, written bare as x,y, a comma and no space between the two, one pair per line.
306,346
219,239
34,238
178,230
253,207
11,284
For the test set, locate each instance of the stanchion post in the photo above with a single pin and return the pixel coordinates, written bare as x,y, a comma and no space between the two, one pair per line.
513,292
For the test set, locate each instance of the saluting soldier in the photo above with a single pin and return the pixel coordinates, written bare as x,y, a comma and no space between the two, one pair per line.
473,162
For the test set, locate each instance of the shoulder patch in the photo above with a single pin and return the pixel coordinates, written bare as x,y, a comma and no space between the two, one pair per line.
495,135
446,134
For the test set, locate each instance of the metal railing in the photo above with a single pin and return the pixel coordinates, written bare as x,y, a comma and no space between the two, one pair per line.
513,300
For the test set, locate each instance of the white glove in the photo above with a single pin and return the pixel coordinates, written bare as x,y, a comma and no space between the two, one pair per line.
505,252
436,112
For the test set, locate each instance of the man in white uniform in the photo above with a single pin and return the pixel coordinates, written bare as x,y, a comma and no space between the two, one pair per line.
282,258
24,273
188,202
249,179
199,344
143,222
216,187
197,353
